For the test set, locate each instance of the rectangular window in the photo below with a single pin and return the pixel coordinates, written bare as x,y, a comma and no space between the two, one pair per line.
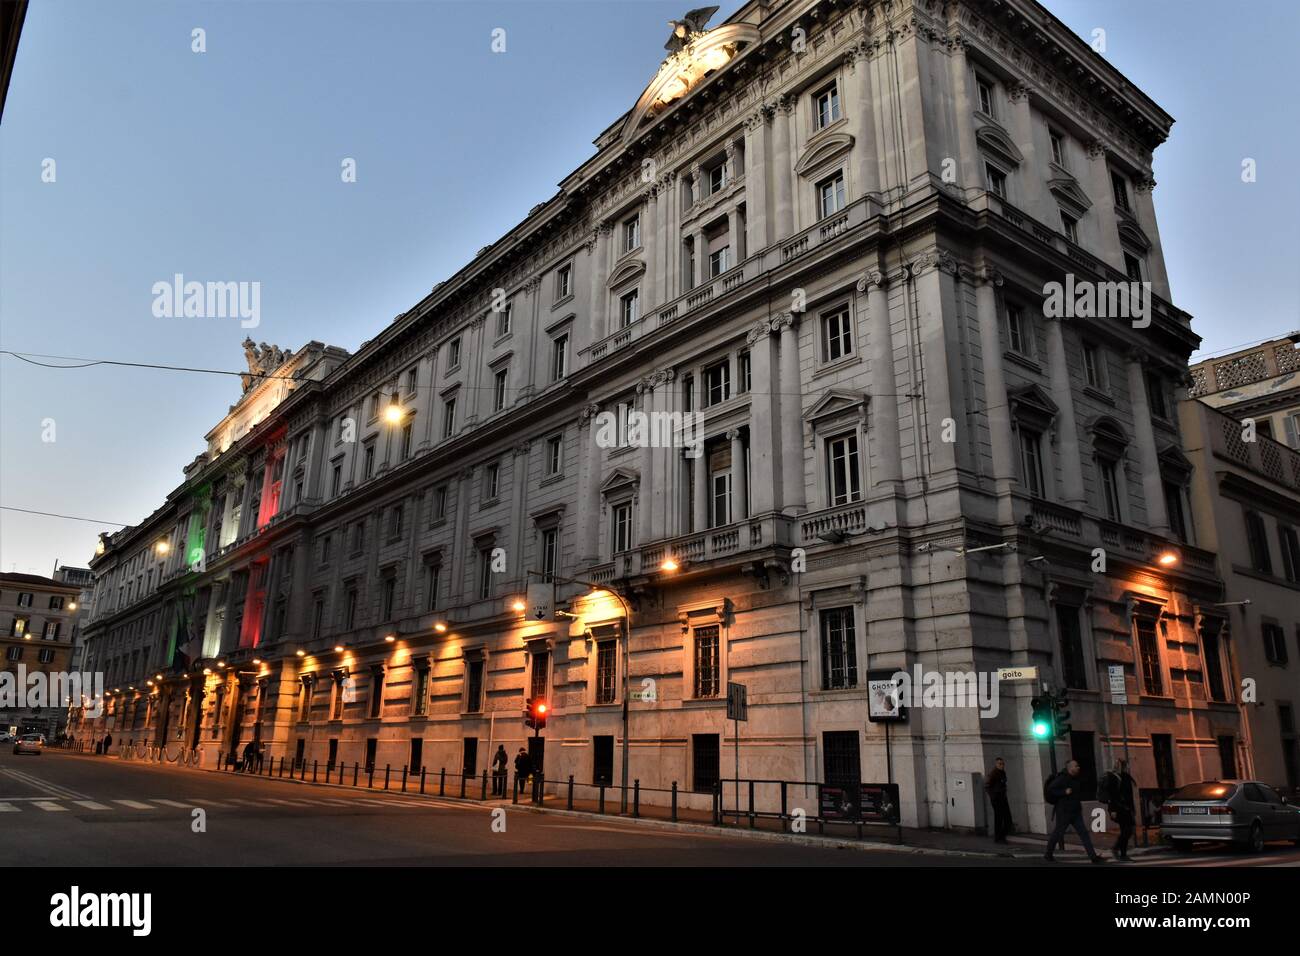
606,672
837,335
550,553
842,471
51,631
46,655
560,357
376,691
1119,189
499,389
1174,508
839,649
1058,147
491,482
1213,662
1274,643
554,455
1149,651
1070,226
719,261
474,686
449,417
412,381
1156,396
1257,540
1019,338
432,579
56,603
368,459
537,681
1290,545
388,597
621,528
830,195
717,178
19,627
420,705
563,282
629,308
14,653
1228,756
24,599
336,481
350,609
744,373
996,180
708,671
632,233
440,503
503,320
1091,366
484,574
828,106
1108,472
1132,267
717,382
985,90
721,499
317,617
453,353
408,438
1031,461
1072,660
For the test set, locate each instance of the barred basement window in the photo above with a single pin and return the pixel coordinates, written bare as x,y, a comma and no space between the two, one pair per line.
707,669
537,682
839,649
606,671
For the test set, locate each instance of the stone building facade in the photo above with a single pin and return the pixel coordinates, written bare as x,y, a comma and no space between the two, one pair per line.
824,231
38,616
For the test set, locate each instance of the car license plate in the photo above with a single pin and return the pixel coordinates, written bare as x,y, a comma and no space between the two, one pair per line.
1204,810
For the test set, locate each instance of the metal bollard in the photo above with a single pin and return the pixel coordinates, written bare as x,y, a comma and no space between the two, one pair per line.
484,795
539,783
636,798
752,819
442,782
462,783
569,804
602,798
404,769
514,791
674,816
355,767
784,804
388,769
313,771
370,776
281,766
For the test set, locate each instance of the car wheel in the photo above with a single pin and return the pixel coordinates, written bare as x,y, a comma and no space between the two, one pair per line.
1255,842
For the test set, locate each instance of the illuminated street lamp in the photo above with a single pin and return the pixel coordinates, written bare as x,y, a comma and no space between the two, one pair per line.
669,564
440,627
1168,558
394,413
519,605
162,546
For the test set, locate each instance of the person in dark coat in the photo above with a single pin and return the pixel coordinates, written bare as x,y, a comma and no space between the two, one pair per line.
108,742
1062,791
1116,789
500,766
995,785
523,767
250,756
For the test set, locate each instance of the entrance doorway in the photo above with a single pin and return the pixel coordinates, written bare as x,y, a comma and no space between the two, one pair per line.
469,760
602,767
1082,750
537,752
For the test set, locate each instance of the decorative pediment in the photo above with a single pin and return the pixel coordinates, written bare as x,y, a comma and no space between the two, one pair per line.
1032,406
627,271
1108,437
619,479
835,406
822,150
998,144
1068,193
1131,235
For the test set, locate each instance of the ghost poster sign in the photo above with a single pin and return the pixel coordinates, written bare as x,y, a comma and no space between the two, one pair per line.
884,702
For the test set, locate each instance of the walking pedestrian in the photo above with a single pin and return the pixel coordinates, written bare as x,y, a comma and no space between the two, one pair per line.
523,767
995,785
108,742
250,755
1062,791
1116,789
500,765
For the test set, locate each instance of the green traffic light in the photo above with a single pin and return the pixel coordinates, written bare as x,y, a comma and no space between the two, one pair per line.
1041,729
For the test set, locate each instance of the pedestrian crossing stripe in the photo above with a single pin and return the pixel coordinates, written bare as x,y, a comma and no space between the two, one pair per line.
134,804
174,803
8,808
49,806
91,805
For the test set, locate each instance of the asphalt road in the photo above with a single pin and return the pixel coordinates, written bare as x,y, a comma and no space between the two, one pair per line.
72,810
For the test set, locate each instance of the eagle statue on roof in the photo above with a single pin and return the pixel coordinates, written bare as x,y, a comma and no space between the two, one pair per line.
690,24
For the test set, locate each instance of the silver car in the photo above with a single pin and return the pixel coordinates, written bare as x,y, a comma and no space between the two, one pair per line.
1246,813
29,744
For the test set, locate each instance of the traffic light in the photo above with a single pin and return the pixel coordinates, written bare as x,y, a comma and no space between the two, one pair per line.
538,711
528,713
1043,717
1061,716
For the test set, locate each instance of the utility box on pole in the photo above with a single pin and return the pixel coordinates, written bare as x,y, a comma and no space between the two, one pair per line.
966,801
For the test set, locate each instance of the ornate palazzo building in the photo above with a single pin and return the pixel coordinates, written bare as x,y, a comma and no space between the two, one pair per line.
824,230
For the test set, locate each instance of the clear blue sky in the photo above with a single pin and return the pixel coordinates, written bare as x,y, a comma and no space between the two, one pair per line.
225,166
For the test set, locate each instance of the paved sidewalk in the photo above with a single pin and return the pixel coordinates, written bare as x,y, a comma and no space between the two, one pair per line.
1026,846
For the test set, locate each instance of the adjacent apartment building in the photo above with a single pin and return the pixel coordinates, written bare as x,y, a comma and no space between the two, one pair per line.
38,616
813,257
